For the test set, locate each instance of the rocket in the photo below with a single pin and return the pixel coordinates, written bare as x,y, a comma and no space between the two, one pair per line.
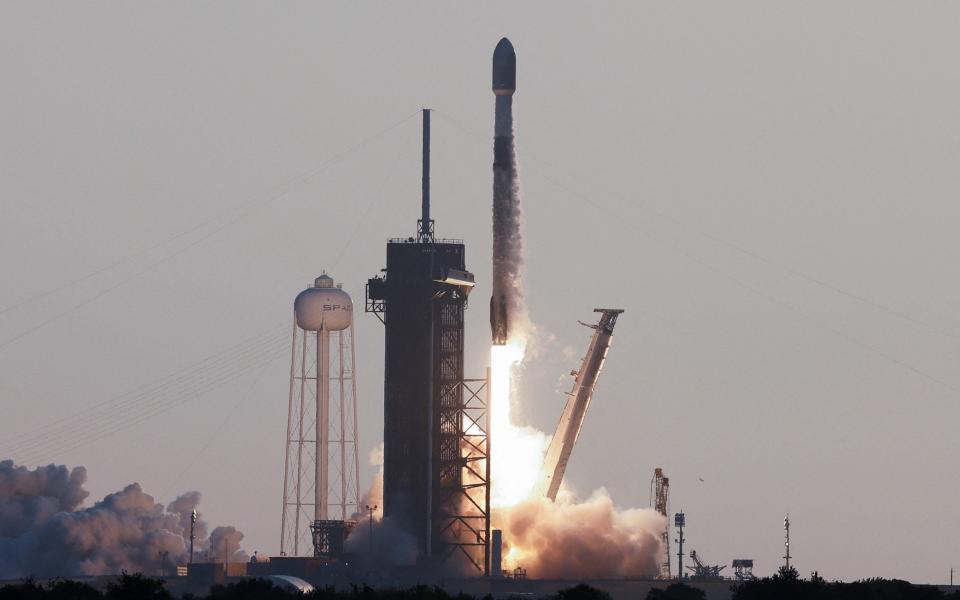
498,320
506,234
504,69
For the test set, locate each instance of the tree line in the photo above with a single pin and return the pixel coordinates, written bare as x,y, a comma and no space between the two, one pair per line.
784,585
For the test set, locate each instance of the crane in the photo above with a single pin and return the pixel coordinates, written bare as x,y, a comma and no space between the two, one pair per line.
578,399
702,572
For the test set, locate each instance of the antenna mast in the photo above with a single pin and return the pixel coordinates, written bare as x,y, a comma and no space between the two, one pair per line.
786,543
425,224
679,521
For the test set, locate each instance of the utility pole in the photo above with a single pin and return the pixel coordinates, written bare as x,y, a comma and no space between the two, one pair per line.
951,576
370,509
679,520
193,522
786,543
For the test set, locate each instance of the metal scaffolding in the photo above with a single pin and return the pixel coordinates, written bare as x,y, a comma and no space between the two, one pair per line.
659,499
462,511
434,438
743,569
702,572
330,535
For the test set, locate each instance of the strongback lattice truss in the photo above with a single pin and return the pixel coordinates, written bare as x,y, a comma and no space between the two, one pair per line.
462,511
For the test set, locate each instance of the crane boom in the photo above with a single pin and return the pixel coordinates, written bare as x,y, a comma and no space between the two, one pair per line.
561,446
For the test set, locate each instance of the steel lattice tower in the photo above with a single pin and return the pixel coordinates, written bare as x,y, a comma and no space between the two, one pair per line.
659,498
321,469
435,446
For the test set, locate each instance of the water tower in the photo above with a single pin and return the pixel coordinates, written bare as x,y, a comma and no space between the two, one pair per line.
321,469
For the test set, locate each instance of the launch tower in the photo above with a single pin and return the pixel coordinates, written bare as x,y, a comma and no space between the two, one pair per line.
435,469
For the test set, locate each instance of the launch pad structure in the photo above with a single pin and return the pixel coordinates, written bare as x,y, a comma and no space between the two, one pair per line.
436,472
436,440
578,401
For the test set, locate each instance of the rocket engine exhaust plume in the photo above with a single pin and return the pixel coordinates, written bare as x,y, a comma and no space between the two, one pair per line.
45,532
518,451
550,539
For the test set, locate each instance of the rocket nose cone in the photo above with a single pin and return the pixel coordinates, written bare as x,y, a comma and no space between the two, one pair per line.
504,68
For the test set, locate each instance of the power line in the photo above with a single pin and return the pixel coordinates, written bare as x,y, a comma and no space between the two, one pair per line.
230,414
770,298
107,416
114,419
773,299
75,438
733,246
241,213
378,197
133,419
179,376
147,401
784,267
129,409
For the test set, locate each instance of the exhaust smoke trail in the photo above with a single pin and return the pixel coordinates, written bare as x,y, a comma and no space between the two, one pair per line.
550,539
507,311
508,314
516,451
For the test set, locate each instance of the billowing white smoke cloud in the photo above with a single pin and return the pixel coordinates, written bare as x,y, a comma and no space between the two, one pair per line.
184,506
30,498
225,541
569,540
44,532
392,545
374,495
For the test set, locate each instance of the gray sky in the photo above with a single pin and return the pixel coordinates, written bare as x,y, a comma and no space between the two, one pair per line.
769,190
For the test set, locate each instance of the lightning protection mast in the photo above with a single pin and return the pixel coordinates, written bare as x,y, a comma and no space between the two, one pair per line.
321,469
786,542
679,522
